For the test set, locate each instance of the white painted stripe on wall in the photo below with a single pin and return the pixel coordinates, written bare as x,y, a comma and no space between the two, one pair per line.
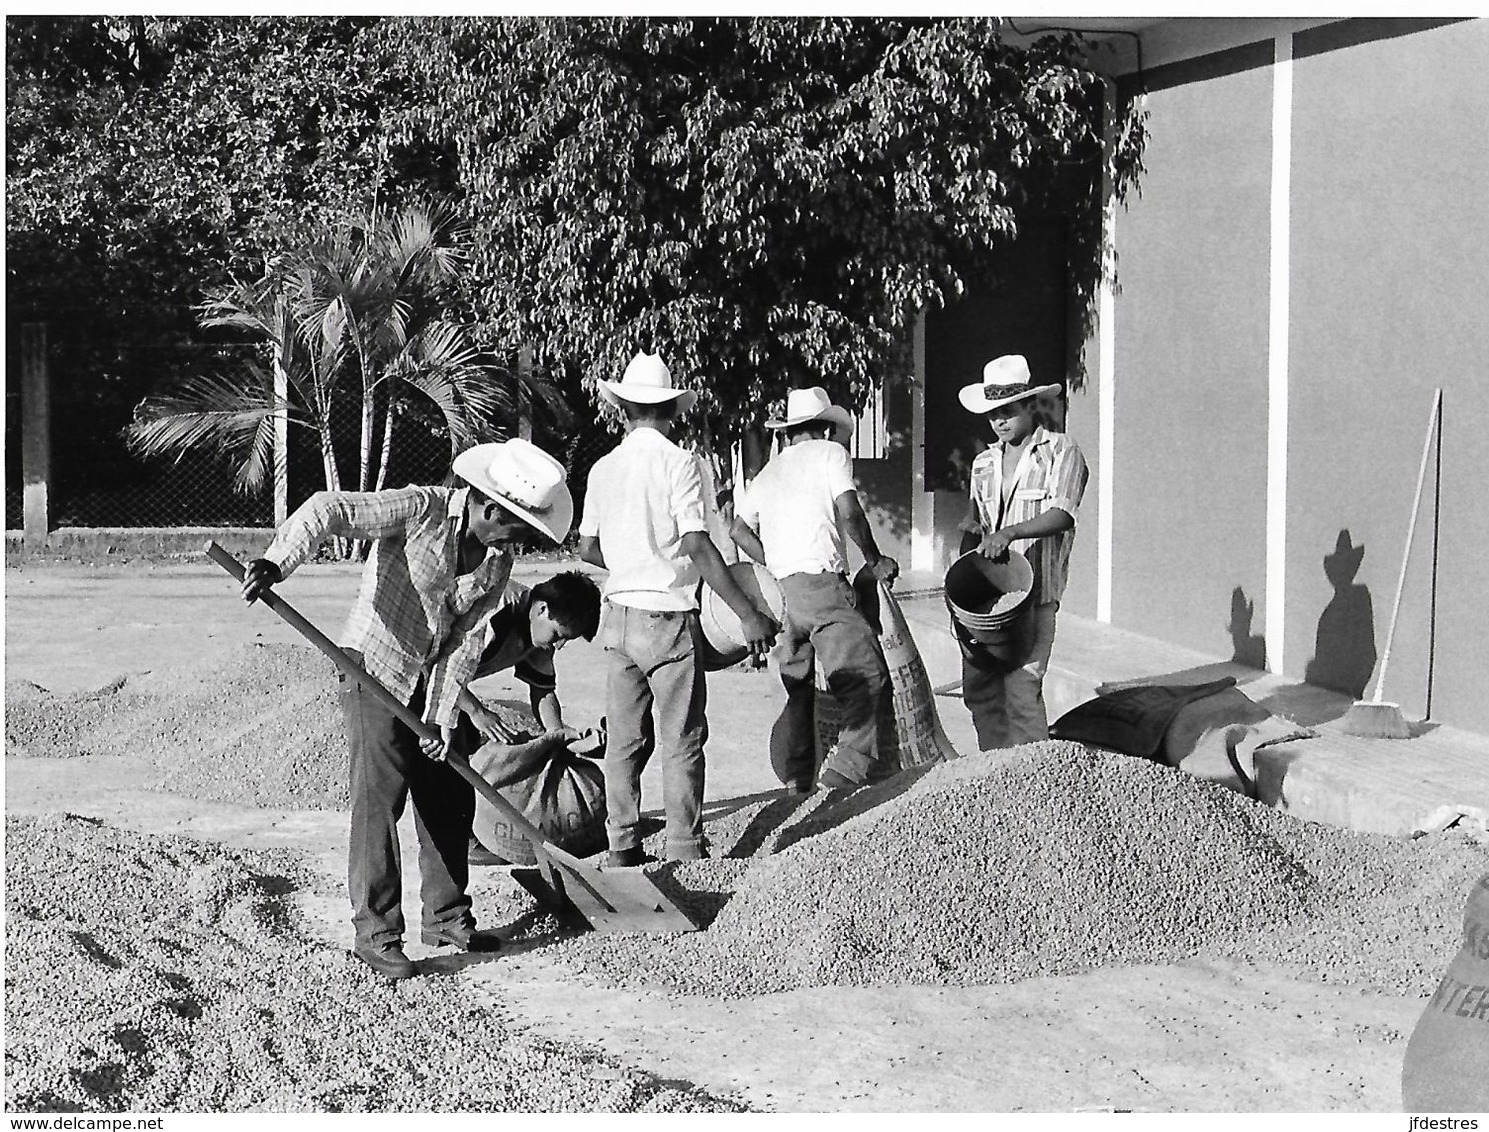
922,513
1106,403
1277,354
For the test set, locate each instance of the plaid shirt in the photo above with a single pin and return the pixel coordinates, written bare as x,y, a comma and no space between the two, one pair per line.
1051,473
413,609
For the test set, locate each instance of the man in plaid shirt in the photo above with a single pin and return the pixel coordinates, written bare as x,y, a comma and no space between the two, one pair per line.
438,567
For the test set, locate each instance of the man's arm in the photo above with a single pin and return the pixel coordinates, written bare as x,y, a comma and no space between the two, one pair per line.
329,514
759,630
747,539
589,551
1051,522
850,513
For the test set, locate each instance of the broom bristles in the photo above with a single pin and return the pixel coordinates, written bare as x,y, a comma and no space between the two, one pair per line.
1373,719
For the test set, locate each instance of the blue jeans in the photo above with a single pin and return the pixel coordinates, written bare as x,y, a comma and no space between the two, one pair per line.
655,699
824,627
387,770
1007,706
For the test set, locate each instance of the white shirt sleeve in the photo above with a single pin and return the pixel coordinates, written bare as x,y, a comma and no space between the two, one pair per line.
837,470
687,497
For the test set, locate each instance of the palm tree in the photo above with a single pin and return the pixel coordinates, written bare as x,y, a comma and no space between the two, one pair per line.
362,310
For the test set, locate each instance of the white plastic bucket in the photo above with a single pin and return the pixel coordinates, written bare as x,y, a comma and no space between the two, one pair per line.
723,639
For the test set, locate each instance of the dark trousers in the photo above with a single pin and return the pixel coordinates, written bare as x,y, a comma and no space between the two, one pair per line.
824,627
387,769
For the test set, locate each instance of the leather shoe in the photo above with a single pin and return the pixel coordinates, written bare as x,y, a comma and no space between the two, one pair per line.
625,858
466,939
389,962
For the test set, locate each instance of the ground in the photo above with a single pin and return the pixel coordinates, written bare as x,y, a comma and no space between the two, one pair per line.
1196,1036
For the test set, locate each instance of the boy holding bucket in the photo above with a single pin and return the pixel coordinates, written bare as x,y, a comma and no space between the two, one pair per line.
791,519
1025,490
644,521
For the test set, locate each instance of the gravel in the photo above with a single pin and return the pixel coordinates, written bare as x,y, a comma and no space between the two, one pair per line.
165,974
1051,859
257,725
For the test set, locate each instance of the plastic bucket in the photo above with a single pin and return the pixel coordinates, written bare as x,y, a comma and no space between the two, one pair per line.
988,598
723,641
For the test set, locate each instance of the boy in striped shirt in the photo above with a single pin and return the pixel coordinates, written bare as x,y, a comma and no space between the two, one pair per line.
1025,490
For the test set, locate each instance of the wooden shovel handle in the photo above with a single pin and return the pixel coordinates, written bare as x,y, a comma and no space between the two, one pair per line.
387,698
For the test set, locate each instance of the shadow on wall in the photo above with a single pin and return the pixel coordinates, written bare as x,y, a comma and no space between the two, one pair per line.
1247,648
1344,650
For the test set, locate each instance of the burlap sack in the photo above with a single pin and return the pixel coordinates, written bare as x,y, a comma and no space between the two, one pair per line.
910,730
561,793
1446,1068
1211,731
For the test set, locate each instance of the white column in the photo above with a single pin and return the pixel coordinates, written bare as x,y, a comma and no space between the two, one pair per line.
1106,349
1277,354
922,512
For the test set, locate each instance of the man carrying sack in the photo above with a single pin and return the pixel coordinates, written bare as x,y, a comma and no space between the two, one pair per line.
644,521
791,520
439,562
1025,490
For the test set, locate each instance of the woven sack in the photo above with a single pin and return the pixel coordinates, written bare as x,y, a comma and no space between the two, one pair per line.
561,793
1446,1068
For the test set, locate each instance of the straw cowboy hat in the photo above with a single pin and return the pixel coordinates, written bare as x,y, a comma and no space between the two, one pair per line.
647,381
803,405
522,478
1004,381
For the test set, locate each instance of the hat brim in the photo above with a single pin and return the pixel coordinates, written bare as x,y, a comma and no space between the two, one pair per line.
975,401
614,393
555,522
839,417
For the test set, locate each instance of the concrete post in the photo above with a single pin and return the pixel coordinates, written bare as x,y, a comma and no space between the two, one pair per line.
36,434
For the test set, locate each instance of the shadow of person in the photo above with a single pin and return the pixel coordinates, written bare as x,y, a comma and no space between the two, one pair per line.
1246,647
1344,648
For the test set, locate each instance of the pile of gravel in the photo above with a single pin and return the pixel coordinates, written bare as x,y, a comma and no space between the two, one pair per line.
255,725
1051,859
164,974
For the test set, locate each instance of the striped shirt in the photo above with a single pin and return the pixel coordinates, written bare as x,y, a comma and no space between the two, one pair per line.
1051,473
413,607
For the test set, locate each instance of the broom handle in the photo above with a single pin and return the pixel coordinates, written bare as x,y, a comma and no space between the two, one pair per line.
1406,555
388,699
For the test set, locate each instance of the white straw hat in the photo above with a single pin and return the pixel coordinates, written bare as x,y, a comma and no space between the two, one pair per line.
647,381
1004,381
522,478
803,405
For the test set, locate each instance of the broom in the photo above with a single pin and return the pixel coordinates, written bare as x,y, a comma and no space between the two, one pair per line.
1375,718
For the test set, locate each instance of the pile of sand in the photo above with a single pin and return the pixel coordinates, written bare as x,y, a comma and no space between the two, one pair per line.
1051,859
164,974
257,725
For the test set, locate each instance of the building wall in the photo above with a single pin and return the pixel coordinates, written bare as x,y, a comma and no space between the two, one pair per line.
1390,300
1387,287
1190,376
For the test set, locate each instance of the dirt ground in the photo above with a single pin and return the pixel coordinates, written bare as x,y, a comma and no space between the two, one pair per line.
1194,1036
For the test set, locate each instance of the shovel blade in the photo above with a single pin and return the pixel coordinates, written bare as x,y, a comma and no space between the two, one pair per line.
604,900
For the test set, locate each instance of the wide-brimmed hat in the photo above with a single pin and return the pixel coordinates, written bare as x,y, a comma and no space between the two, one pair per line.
1004,381
522,478
647,381
803,405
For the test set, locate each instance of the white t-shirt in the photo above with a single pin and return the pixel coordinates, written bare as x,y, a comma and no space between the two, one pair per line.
641,499
790,506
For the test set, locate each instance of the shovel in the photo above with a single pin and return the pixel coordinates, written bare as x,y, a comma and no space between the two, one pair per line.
607,901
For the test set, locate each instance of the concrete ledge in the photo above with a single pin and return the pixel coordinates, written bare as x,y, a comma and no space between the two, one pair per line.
95,543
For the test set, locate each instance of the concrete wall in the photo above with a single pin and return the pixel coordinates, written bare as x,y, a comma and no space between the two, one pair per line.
1387,289
1189,460
1390,300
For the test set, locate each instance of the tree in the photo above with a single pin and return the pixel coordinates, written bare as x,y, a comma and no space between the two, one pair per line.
360,313
770,201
